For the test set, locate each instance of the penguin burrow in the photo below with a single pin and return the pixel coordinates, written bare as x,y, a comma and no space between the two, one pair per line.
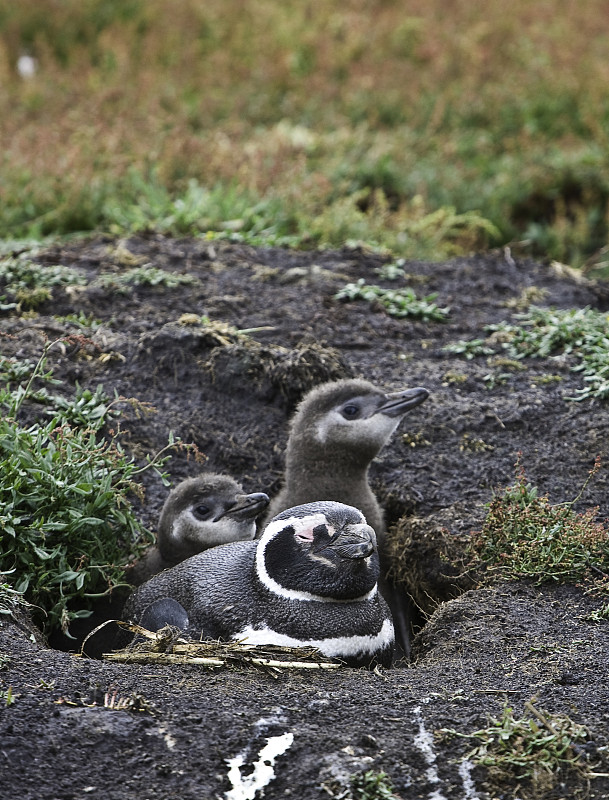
310,580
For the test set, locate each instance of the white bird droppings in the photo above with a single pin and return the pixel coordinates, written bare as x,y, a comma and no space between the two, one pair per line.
465,769
245,788
423,741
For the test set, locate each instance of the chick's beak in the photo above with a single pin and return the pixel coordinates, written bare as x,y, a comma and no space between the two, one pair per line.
246,506
398,403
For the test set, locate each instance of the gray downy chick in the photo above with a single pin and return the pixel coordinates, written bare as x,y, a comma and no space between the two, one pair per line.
199,513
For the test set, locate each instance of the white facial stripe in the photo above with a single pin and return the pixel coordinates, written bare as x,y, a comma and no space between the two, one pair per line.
174,532
333,647
298,523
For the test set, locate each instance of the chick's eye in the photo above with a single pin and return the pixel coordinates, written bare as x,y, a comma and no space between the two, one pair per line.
350,411
201,511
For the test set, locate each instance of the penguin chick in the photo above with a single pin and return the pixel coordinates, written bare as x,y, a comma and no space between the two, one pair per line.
336,432
200,513
338,429
310,580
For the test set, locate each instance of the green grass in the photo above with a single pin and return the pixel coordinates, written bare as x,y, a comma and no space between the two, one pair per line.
541,747
10,600
372,785
581,334
29,285
82,321
397,302
222,211
599,614
26,284
431,132
67,526
146,275
8,696
525,536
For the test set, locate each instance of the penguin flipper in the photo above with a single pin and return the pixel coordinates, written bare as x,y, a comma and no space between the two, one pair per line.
165,611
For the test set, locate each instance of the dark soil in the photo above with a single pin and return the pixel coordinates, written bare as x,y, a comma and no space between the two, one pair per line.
233,398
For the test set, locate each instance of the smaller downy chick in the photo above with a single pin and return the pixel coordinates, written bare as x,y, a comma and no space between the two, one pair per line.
199,513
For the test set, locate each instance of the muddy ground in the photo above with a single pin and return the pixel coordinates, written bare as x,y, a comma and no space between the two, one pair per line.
490,645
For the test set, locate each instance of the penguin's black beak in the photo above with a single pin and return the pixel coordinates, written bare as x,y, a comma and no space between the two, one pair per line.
399,403
355,541
246,506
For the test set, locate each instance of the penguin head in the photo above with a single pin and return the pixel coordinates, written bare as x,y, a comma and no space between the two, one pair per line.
352,416
206,511
319,551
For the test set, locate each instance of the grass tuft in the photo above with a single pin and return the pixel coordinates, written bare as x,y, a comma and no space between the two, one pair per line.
525,536
29,285
399,303
146,275
10,599
541,748
371,785
67,528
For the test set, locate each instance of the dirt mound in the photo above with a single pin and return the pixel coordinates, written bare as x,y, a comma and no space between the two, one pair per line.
223,360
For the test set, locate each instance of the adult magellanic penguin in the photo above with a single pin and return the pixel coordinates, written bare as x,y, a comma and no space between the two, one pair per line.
337,430
310,580
199,513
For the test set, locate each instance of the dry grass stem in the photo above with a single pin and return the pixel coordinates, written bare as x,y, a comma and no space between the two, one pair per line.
169,646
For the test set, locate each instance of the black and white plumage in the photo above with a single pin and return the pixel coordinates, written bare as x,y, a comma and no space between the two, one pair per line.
199,513
336,432
310,580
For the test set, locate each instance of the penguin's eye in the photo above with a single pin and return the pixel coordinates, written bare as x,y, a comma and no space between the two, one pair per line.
350,411
201,511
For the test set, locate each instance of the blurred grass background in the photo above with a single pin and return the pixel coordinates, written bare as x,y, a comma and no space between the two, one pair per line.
427,128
